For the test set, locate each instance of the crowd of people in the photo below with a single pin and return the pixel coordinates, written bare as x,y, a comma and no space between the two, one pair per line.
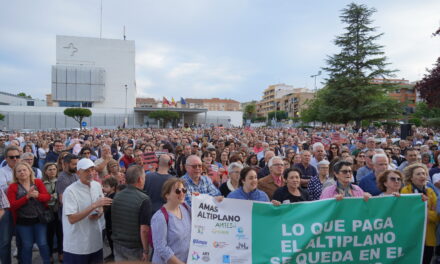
68,192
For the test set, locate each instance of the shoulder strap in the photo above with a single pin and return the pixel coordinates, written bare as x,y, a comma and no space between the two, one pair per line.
165,214
187,208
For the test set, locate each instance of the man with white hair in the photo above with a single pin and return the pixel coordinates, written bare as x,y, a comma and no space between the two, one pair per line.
318,154
83,203
369,183
274,180
195,182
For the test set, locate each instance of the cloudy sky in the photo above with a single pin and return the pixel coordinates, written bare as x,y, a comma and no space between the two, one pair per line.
210,48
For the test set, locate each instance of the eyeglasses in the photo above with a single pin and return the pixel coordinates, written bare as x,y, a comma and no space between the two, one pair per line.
179,191
14,157
278,165
333,148
196,166
361,156
346,171
395,179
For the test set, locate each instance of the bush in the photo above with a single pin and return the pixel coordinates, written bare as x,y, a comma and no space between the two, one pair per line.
416,121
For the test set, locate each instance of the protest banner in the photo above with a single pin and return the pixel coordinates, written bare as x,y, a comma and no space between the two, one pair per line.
382,230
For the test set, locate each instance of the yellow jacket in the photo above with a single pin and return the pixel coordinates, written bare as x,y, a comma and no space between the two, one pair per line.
433,217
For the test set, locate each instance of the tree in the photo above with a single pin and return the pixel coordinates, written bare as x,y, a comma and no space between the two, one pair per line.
2,117
249,111
279,115
24,95
78,114
429,86
349,94
164,115
423,111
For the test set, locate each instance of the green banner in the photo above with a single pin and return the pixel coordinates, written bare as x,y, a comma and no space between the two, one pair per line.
382,230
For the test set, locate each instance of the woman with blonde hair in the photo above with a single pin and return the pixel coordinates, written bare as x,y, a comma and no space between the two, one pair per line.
28,197
415,179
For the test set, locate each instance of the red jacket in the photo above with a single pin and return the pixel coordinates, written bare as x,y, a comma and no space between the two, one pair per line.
43,197
127,160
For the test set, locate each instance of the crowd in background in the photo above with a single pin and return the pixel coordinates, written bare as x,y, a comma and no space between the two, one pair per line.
61,190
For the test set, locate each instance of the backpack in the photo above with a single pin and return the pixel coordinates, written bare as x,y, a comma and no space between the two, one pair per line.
167,217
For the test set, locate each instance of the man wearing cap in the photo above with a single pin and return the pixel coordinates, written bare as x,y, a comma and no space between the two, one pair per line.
82,209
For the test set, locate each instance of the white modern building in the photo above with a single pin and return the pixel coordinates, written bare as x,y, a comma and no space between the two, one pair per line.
98,74
93,72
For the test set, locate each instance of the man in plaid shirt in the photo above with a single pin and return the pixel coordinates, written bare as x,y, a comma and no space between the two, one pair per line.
196,183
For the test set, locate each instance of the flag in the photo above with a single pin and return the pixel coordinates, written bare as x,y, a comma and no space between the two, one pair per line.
172,101
182,101
165,101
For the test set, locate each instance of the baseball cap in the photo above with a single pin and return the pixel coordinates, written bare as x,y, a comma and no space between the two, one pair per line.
84,164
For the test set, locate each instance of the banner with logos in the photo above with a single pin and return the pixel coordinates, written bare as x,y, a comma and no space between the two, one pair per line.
382,230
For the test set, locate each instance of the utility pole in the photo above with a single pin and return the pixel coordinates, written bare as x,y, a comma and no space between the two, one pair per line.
126,118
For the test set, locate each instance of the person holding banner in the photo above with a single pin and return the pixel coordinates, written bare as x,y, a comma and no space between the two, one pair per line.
171,225
390,182
343,187
196,183
292,191
416,176
248,187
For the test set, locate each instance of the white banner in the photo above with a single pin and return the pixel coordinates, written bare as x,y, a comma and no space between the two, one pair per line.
219,235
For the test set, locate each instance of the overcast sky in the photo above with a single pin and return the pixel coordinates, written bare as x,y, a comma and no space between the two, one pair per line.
210,48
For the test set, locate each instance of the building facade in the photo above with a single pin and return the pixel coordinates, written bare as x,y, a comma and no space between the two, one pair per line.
282,97
404,92
93,72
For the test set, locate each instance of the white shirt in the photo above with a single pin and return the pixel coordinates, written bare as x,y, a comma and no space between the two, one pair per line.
5,177
85,236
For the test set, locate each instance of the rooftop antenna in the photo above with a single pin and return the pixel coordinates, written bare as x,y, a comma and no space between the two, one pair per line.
100,23
124,33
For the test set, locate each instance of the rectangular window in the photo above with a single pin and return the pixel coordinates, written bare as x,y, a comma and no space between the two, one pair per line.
30,103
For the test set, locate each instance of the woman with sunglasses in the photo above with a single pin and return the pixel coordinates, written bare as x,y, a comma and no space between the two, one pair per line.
390,182
171,225
333,152
343,187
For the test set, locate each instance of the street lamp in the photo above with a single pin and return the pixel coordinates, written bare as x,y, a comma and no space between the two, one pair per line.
314,76
126,118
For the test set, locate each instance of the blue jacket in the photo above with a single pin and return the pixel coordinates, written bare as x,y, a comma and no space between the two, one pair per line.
368,184
255,195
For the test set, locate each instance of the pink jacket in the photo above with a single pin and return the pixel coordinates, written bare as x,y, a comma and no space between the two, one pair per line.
330,192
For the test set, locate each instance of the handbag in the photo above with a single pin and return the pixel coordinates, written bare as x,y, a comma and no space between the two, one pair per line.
45,215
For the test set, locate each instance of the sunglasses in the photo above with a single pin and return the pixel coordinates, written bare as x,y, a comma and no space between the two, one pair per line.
179,191
86,153
14,157
196,166
346,171
395,179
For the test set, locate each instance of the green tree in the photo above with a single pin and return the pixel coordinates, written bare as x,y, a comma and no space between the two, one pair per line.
249,111
279,115
349,94
2,117
423,111
24,95
78,114
164,115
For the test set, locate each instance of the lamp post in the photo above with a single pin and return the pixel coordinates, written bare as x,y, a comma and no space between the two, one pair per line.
126,118
314,76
